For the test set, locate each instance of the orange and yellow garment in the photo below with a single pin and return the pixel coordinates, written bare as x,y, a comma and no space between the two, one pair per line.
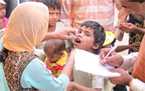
57,67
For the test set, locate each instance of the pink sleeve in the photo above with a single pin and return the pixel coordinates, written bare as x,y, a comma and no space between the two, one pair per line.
5,22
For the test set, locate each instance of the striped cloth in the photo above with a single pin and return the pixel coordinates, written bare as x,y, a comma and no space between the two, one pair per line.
75,12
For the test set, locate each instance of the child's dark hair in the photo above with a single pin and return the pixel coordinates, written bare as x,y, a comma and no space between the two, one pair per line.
54,4
99,34
58,44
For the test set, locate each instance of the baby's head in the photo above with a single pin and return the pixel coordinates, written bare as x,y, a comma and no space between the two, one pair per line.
90,36
54,49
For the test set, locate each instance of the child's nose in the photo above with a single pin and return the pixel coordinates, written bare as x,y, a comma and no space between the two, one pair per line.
79,34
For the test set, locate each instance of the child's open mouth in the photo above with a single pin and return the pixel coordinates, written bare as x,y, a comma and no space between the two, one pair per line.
77,40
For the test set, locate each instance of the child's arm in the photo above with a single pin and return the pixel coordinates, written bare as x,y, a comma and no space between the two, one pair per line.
75,86
68,68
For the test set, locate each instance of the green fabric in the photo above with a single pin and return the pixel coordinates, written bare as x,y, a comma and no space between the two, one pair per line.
3,82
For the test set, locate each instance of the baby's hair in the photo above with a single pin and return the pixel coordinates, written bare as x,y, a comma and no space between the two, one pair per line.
57,44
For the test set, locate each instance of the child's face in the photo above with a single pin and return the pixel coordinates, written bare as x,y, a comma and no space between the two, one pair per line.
2,11
84,38
54,16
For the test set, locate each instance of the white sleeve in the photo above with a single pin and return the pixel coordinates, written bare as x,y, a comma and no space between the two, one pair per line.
129,60
137,85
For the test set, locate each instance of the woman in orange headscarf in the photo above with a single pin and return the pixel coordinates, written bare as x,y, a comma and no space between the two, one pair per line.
27,27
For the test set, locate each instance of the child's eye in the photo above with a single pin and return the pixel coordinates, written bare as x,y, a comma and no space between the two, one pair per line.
87,34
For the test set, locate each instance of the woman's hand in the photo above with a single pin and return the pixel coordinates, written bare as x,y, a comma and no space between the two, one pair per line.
65,33
128,27
123,79
113,59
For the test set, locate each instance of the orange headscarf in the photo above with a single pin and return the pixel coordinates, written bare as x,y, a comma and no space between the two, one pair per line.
27,26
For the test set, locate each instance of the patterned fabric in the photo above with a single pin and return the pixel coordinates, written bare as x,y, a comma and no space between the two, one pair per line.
136,37
57,67
75,12
14,65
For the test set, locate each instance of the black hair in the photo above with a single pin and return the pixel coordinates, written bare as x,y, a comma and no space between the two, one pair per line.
3,55
99,34
58,44
54,4
140,1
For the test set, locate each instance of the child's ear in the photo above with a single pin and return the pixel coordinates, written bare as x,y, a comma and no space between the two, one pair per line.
96,46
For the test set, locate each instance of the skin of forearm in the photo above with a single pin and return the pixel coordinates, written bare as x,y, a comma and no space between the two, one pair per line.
51,35
141,29
68,68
